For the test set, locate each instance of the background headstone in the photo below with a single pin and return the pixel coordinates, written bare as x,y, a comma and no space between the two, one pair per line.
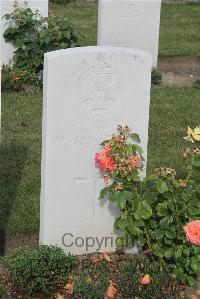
87,93
130,23
7,6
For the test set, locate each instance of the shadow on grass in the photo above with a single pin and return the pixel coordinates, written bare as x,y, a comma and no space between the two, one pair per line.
12,161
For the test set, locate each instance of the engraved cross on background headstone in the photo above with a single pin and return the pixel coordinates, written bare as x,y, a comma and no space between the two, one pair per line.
131,13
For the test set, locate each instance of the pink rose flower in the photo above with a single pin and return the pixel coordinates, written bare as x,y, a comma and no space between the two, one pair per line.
104,162
110,165
134,160
192,231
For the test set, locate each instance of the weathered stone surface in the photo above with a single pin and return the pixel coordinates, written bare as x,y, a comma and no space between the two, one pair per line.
130,23
87,93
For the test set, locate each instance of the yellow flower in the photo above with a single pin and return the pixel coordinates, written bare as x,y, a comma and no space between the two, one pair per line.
196,134
193,135
189,135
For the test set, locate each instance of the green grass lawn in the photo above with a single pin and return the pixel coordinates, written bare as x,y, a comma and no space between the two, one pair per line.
20,162
179,30
172,109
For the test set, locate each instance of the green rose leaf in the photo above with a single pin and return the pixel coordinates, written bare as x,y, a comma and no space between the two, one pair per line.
158,234
121,198
162,208
166,221
143,211
104,192
135,230
135,137
153,223
161,186
170,234
195,161
186,252
150,178
194,266
194,207
169,253
7,16
178,253
190,281
104,142
168,241
121,223
157,250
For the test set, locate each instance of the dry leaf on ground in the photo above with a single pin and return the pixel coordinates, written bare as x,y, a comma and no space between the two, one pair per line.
111,291
145,279
69,287
96,260
106,256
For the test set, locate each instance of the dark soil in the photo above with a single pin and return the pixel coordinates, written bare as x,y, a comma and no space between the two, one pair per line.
181,71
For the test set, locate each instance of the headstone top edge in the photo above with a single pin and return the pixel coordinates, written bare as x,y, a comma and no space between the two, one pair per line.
98,49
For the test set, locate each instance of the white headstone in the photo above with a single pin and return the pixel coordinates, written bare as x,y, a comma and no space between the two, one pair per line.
7,6
130,23
88,92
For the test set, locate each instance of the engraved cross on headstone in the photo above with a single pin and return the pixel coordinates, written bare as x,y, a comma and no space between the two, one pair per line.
96,180
131,13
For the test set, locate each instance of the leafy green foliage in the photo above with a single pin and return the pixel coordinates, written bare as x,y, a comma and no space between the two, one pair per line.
156,76
39,271
155,210
15,79
155,218
33,35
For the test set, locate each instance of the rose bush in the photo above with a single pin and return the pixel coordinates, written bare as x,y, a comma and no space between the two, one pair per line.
33,35
155,211
16,79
